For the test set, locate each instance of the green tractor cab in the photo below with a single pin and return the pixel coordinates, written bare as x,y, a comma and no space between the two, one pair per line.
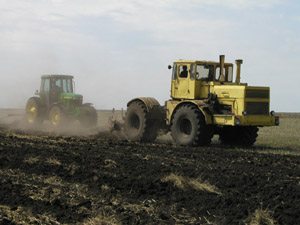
58,103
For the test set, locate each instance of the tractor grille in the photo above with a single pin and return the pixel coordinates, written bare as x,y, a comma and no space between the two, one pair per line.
257,108
77,101
254,93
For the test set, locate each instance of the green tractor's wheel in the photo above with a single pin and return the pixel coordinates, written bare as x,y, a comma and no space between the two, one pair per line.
57,117
34,111
238,136
189,128
89,117
138,125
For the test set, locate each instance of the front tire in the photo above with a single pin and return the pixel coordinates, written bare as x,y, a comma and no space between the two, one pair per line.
138,125
239,136
57,117
34,111
189,127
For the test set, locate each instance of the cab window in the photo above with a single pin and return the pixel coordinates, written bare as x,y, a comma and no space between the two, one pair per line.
57,83
183,71
174,75
67,85
192,72
228,73
204,72
45,87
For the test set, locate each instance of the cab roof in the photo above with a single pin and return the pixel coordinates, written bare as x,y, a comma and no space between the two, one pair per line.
202,62
57,76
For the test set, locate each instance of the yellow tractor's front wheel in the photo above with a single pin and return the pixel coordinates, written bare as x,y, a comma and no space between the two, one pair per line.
189,127
57,116
34,111
244,136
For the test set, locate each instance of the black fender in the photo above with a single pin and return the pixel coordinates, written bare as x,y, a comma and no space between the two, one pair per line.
205,109
154,109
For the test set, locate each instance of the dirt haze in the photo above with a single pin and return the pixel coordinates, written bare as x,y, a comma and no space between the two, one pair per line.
14,119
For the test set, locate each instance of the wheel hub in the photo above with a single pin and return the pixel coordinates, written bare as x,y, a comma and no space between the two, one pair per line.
55,118
135,121
31,116
185,127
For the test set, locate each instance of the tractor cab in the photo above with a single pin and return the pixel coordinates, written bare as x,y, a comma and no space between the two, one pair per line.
192,79
58,89
58,103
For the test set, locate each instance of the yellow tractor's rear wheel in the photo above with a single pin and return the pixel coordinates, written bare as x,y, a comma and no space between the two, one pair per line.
34,111
57,117
138,125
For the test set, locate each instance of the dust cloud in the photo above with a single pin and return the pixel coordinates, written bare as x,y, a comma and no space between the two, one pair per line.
110,125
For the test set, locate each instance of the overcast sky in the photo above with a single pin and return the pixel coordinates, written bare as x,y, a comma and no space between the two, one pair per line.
118,50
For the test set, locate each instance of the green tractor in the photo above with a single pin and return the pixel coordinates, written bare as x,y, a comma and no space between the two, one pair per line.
58,103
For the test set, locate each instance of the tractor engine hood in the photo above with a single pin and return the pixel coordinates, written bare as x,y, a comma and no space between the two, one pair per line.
71,100
70,96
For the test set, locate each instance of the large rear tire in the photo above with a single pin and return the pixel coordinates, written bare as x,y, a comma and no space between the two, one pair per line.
138,125
35,111
57,117
89,118
189,127
239,136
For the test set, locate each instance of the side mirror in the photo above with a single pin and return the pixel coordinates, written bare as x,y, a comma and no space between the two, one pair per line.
169,67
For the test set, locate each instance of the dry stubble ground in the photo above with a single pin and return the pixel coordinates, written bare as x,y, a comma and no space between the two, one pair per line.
99,179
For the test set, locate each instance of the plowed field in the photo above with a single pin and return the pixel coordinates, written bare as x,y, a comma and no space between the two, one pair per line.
100,179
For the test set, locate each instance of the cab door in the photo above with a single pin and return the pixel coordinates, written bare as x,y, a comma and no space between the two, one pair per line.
204,80
45,91
180,81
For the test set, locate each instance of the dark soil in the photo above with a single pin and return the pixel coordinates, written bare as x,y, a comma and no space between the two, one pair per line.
47,179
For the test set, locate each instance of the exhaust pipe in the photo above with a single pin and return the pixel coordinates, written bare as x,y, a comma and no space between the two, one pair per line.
238,63
222,61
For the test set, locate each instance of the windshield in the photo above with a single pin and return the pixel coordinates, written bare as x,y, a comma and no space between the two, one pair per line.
64,85
67,85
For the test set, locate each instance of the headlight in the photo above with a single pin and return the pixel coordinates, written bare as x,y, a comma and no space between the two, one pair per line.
272,113
277,120
244,112
237,120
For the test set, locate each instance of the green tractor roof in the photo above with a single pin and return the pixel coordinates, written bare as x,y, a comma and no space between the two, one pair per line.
57,76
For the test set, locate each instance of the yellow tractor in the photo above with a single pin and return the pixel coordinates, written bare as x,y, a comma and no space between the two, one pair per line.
204,101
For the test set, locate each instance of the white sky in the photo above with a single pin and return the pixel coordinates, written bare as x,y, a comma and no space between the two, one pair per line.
118,50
